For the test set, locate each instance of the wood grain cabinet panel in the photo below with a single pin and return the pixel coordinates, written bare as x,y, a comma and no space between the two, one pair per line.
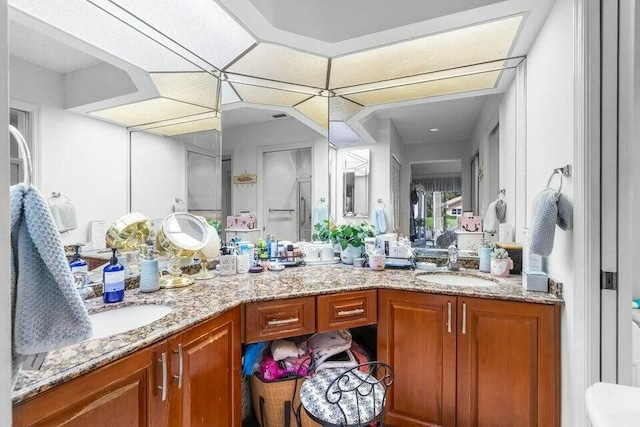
192,379
114,395
417,338
508,363
206,374
271,320
346,310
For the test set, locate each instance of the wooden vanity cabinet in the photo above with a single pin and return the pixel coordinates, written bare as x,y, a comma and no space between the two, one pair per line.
462,361
115,395
193,378
346,310
206,374
417,338
508,363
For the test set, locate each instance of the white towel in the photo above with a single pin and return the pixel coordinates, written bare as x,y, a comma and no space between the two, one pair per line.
47,312
490,223
64,215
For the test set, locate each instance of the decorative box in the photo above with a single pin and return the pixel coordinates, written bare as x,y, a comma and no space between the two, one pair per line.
471,223
238,222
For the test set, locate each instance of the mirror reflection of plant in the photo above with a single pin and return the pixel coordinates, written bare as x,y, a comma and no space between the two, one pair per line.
323,230
215,224
352,234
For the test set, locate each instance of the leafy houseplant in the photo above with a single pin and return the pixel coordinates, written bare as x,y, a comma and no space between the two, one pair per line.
323,231
351,237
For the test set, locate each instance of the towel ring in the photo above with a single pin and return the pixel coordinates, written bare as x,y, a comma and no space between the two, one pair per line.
379,204
564,171
57,195
555,172
24,152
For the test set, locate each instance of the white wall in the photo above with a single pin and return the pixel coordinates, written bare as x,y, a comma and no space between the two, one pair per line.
247,143
156,163
532,144
550,145
5,244
85,159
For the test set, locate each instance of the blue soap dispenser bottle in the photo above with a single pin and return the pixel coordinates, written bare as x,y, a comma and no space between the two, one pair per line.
77,264
113,281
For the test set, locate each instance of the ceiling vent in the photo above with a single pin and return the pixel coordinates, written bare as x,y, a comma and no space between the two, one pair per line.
279,116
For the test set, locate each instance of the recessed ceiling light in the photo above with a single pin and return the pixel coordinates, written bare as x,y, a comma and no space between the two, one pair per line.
434,130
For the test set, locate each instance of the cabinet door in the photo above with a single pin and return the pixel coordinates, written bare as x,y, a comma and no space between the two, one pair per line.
114,395
159,385
508,363
417,337
206,373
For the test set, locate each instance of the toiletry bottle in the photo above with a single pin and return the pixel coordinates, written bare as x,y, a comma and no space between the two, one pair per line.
274,248
77,264
113,280
149,273
79,268
268,244
484,252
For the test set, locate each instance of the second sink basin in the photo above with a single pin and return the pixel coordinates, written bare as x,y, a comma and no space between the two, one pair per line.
456,280
125,319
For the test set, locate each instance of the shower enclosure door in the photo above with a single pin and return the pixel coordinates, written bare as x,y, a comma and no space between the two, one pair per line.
287,174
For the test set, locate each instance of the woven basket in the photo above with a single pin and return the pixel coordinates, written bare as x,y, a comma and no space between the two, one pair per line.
274,396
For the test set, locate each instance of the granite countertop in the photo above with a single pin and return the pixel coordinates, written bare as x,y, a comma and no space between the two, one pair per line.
203,300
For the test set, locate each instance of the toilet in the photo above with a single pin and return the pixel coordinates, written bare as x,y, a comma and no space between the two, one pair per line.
635,348
614,405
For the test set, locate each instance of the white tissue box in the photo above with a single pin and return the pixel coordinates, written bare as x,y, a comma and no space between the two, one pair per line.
536,281
530,262
469,241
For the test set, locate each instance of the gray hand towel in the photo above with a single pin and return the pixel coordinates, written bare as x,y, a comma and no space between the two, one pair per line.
47,312
501,211
549,208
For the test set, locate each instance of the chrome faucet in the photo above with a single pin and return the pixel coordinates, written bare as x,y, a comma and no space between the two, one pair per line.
452,265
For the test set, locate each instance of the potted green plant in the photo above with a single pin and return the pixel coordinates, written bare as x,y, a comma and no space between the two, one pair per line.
322,231
501,264
351,237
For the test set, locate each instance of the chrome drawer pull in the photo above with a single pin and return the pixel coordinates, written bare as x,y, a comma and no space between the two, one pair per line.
163,387
449,317
351,312
180,365
283,321
464,318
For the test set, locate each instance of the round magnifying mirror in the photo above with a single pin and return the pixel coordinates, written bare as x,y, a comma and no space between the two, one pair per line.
183,236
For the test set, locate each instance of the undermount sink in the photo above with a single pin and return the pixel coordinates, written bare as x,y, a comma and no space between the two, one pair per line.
456,280
125,319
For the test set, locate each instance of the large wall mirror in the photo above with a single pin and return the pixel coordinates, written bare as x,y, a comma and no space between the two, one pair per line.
134,121
112,134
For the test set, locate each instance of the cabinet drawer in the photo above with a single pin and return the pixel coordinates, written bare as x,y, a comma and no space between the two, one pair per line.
347,310
279,319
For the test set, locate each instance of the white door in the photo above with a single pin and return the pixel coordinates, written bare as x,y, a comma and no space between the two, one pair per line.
284,171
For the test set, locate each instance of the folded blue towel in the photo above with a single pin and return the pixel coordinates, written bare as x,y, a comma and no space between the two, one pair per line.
550,208
47,312
320,214
381,221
